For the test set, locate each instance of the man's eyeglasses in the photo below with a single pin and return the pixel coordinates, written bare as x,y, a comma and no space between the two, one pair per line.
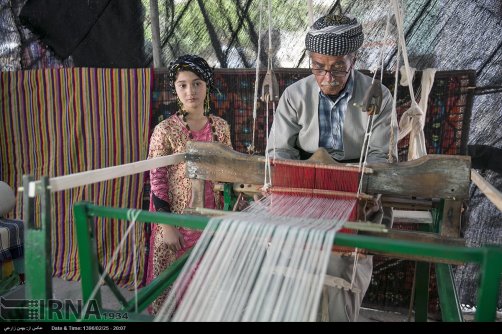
335,73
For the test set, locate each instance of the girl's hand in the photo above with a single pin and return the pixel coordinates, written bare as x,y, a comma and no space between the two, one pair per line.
172,237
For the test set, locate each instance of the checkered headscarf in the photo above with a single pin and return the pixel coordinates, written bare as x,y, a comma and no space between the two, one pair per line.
335,35
192,63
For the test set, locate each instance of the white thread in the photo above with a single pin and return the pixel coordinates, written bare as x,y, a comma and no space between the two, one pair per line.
258,265
399,22
364,152
269,64
393,119
267,182
257,78
413,120
369,123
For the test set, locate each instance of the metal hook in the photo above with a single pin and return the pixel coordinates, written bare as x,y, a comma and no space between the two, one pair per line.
270,87
372,101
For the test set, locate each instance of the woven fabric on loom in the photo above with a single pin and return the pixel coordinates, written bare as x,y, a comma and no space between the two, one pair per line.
62,121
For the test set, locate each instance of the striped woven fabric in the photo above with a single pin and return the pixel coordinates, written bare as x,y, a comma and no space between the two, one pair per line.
11,239
60,121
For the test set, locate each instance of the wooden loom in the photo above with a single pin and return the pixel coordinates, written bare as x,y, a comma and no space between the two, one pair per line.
422,184
437,182
433,177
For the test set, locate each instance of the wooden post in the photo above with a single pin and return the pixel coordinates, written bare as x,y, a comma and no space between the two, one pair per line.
198,193
450,226
154,21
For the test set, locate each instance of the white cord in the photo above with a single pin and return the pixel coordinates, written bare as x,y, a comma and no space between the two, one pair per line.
268,175
387,27
393,119
267,182
400,30
413,120
268,169
257,79
369,124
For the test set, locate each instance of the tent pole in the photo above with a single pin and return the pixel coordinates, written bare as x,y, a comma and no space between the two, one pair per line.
154,18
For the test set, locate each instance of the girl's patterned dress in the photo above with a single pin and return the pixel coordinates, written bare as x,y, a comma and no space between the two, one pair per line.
171,185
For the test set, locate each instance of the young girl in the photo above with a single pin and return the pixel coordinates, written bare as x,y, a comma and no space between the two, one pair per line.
191,79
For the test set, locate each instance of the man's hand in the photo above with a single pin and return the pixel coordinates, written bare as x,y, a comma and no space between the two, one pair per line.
241,203
371,210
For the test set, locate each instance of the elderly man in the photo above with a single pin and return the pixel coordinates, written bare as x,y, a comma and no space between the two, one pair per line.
323,110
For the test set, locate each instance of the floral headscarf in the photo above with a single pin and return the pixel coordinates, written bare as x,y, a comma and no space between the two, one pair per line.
195,64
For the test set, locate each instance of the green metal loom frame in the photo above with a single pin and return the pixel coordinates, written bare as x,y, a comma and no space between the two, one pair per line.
38,260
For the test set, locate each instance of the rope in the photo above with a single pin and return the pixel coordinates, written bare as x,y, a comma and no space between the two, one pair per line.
364,152
369,124
257,81
267,182
413,120
387,28
269,80
393,119
402,42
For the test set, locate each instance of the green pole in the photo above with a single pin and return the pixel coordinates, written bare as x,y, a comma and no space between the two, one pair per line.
87,253
448,298
489,287
38,264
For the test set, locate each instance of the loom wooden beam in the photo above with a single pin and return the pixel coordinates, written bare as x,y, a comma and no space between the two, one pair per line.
452,214
198,191
413,217
416,184
218,162
409,203
320,192
432,176
426,237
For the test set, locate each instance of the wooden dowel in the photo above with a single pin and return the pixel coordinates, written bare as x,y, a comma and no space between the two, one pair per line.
360,226
320,192
257,189
342,167
70,181
486,188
